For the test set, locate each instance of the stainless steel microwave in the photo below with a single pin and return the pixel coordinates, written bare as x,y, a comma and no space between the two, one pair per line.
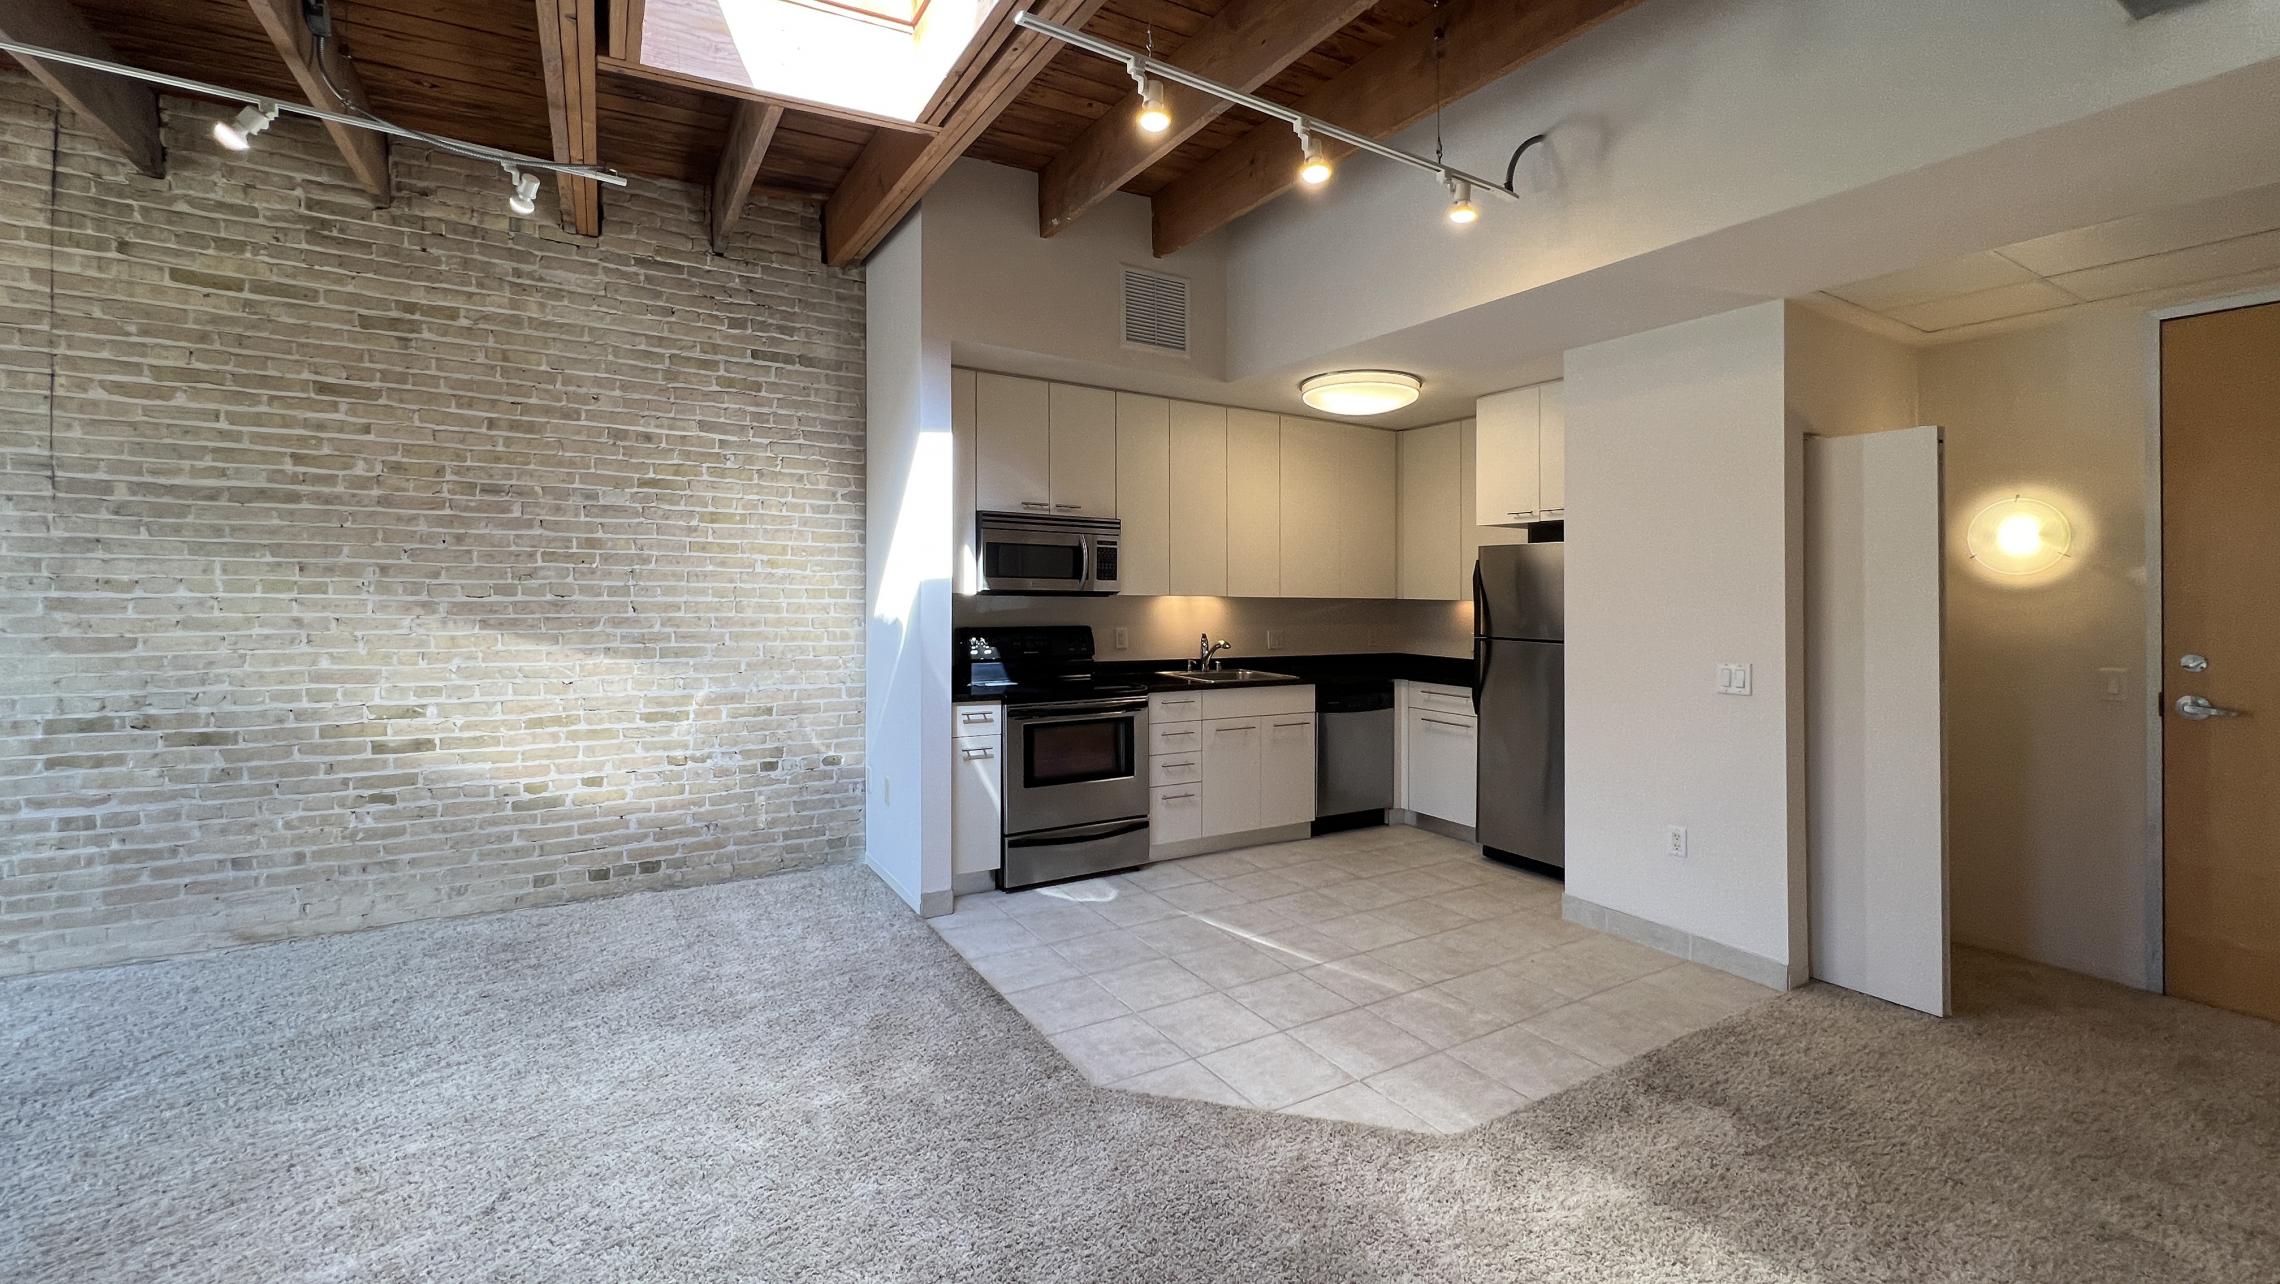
1025,553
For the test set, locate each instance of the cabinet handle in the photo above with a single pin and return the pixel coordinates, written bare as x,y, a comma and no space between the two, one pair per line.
977,717
1169,734
1443,722
1553,512
1233,731
1530,513
972,754
1174,797
1189,763
1069,508
1290,724
1038,504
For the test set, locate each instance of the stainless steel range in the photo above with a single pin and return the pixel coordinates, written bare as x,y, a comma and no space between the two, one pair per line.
1076,756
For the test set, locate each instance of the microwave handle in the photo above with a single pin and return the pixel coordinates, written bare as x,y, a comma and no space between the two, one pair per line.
1085,575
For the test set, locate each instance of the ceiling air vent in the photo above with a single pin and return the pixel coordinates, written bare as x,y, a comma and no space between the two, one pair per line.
1156,311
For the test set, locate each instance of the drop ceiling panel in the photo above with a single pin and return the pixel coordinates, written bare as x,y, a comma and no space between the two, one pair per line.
2159,232
1968,275
2182,267
1998,304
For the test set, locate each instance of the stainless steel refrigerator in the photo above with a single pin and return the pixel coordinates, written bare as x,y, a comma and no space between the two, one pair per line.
1519,693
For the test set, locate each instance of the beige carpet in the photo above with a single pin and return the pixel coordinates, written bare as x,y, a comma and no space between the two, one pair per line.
790,1079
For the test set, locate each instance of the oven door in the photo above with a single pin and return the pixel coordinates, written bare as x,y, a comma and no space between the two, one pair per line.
1027,559
1075,764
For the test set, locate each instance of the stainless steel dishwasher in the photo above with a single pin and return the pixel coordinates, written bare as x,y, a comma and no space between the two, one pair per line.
1353,753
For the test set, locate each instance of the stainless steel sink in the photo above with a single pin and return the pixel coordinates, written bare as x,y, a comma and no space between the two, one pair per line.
1215,676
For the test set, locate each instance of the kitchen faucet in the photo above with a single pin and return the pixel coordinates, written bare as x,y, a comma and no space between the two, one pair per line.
1205,650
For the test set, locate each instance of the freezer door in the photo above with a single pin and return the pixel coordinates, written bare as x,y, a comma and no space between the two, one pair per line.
1519,591
1522,806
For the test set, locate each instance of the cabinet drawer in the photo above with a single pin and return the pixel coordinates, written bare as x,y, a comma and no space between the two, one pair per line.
1178,739
1441,700
976,748
977,720
1175,814
1175,708
1175,769
1254,702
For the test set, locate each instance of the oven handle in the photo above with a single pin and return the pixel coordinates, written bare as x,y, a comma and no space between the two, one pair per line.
1074,712
1085,834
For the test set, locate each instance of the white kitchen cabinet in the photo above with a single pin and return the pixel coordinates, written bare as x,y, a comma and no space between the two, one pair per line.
1367,497
967,576
1143,493
1551,452
1175,814
1231,775
1440,757
1081,451
1286,771
976,793
1254,504
1197,542
1436,564
1310,509
1010,445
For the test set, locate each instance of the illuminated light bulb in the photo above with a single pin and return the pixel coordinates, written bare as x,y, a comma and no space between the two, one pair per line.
1313,167
1154,117
237,133
2019,535
1462,211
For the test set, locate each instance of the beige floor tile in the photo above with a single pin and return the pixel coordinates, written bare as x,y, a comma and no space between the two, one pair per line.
1314,875
1436,1018
1064,922
1161,877
1221,864
1132,907
1065,1005
1584,967
1202,895
1473,908
1365,893
1174,936
1528,1064
1288,999
1590,1028
1308,907
1152,984
1235,963
1361,1043
1107,951
1024,969
1501,991
1300,947
1423,917
1280,855
1432,958
1188,1081
980,937
978,906
1720,992
1363,979
1274,1071
1359,1103
1446,1093
1263,885
1207,1023
1118,1049
1245,920
1364,931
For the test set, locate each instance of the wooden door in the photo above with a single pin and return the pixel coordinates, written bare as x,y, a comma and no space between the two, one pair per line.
2220,616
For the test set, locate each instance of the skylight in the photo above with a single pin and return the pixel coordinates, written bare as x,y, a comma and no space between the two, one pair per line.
881,58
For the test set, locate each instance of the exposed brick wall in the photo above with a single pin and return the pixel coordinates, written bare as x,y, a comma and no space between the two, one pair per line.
376,566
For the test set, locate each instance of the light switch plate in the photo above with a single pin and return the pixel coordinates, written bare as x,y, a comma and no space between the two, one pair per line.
1123,639
1734,679
1274,639
2110,685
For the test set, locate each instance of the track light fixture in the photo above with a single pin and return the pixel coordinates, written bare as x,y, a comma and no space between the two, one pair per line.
1313,166
524,199
237,132
1462,211
1154,117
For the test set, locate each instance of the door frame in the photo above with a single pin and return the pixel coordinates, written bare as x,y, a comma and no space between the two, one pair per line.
2156,670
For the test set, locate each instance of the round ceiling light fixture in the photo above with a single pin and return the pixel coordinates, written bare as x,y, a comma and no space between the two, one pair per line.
1360,393
2019,536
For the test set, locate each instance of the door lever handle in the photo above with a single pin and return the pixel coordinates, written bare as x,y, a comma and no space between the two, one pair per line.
2199,709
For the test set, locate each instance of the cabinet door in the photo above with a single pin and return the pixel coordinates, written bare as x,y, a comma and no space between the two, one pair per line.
962,502
1440,760
1368,531
1310,509
1504,481
1286,771
1551,451
1231,775
1175,814
1010,473
1082,457
1429,534
1198,537
1143,494
1254,504
975,828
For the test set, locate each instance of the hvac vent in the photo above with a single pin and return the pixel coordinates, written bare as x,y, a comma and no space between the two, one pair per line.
1156,311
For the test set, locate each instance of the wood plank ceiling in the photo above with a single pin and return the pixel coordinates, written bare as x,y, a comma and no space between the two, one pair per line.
479,70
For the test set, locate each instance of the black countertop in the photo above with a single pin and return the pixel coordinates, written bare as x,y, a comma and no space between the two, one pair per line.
1318,670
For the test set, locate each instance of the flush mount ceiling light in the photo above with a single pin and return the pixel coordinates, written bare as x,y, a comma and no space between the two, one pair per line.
1360,393
2019,536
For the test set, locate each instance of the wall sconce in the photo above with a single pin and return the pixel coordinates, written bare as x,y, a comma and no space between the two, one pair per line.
2019,536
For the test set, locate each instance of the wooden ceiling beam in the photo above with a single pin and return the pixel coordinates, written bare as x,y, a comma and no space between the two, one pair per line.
365,150
567,30
122,111
748,137
1384,93
895,170
1243,47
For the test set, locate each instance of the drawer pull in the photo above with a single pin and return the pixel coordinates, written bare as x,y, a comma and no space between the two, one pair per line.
1169,734
1443,722
1188,763
977,717
972,754
1174,797
1234,731
1291,724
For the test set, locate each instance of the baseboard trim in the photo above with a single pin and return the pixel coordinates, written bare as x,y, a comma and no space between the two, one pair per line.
1432,825
1229,842
1672,941
973,882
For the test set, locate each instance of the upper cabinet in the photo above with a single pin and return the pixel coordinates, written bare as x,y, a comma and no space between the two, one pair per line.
1521,457
1433,514
963,385
1197,507
1254,504
1144,493
1043,447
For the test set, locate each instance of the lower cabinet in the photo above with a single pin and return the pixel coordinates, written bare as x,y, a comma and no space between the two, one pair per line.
1439,754
1230,762
1286,771
1231,775
976,794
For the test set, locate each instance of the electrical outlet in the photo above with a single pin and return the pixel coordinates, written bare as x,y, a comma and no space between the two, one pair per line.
2110,685
1274,639
1123,639
1674,841
1734,679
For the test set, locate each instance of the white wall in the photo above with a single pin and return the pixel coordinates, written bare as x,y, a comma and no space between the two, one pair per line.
1675,121
1166,627
907,591
2047,776
1683,495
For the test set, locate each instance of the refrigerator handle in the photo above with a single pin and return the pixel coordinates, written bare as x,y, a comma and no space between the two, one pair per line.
1481,634
1481,651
